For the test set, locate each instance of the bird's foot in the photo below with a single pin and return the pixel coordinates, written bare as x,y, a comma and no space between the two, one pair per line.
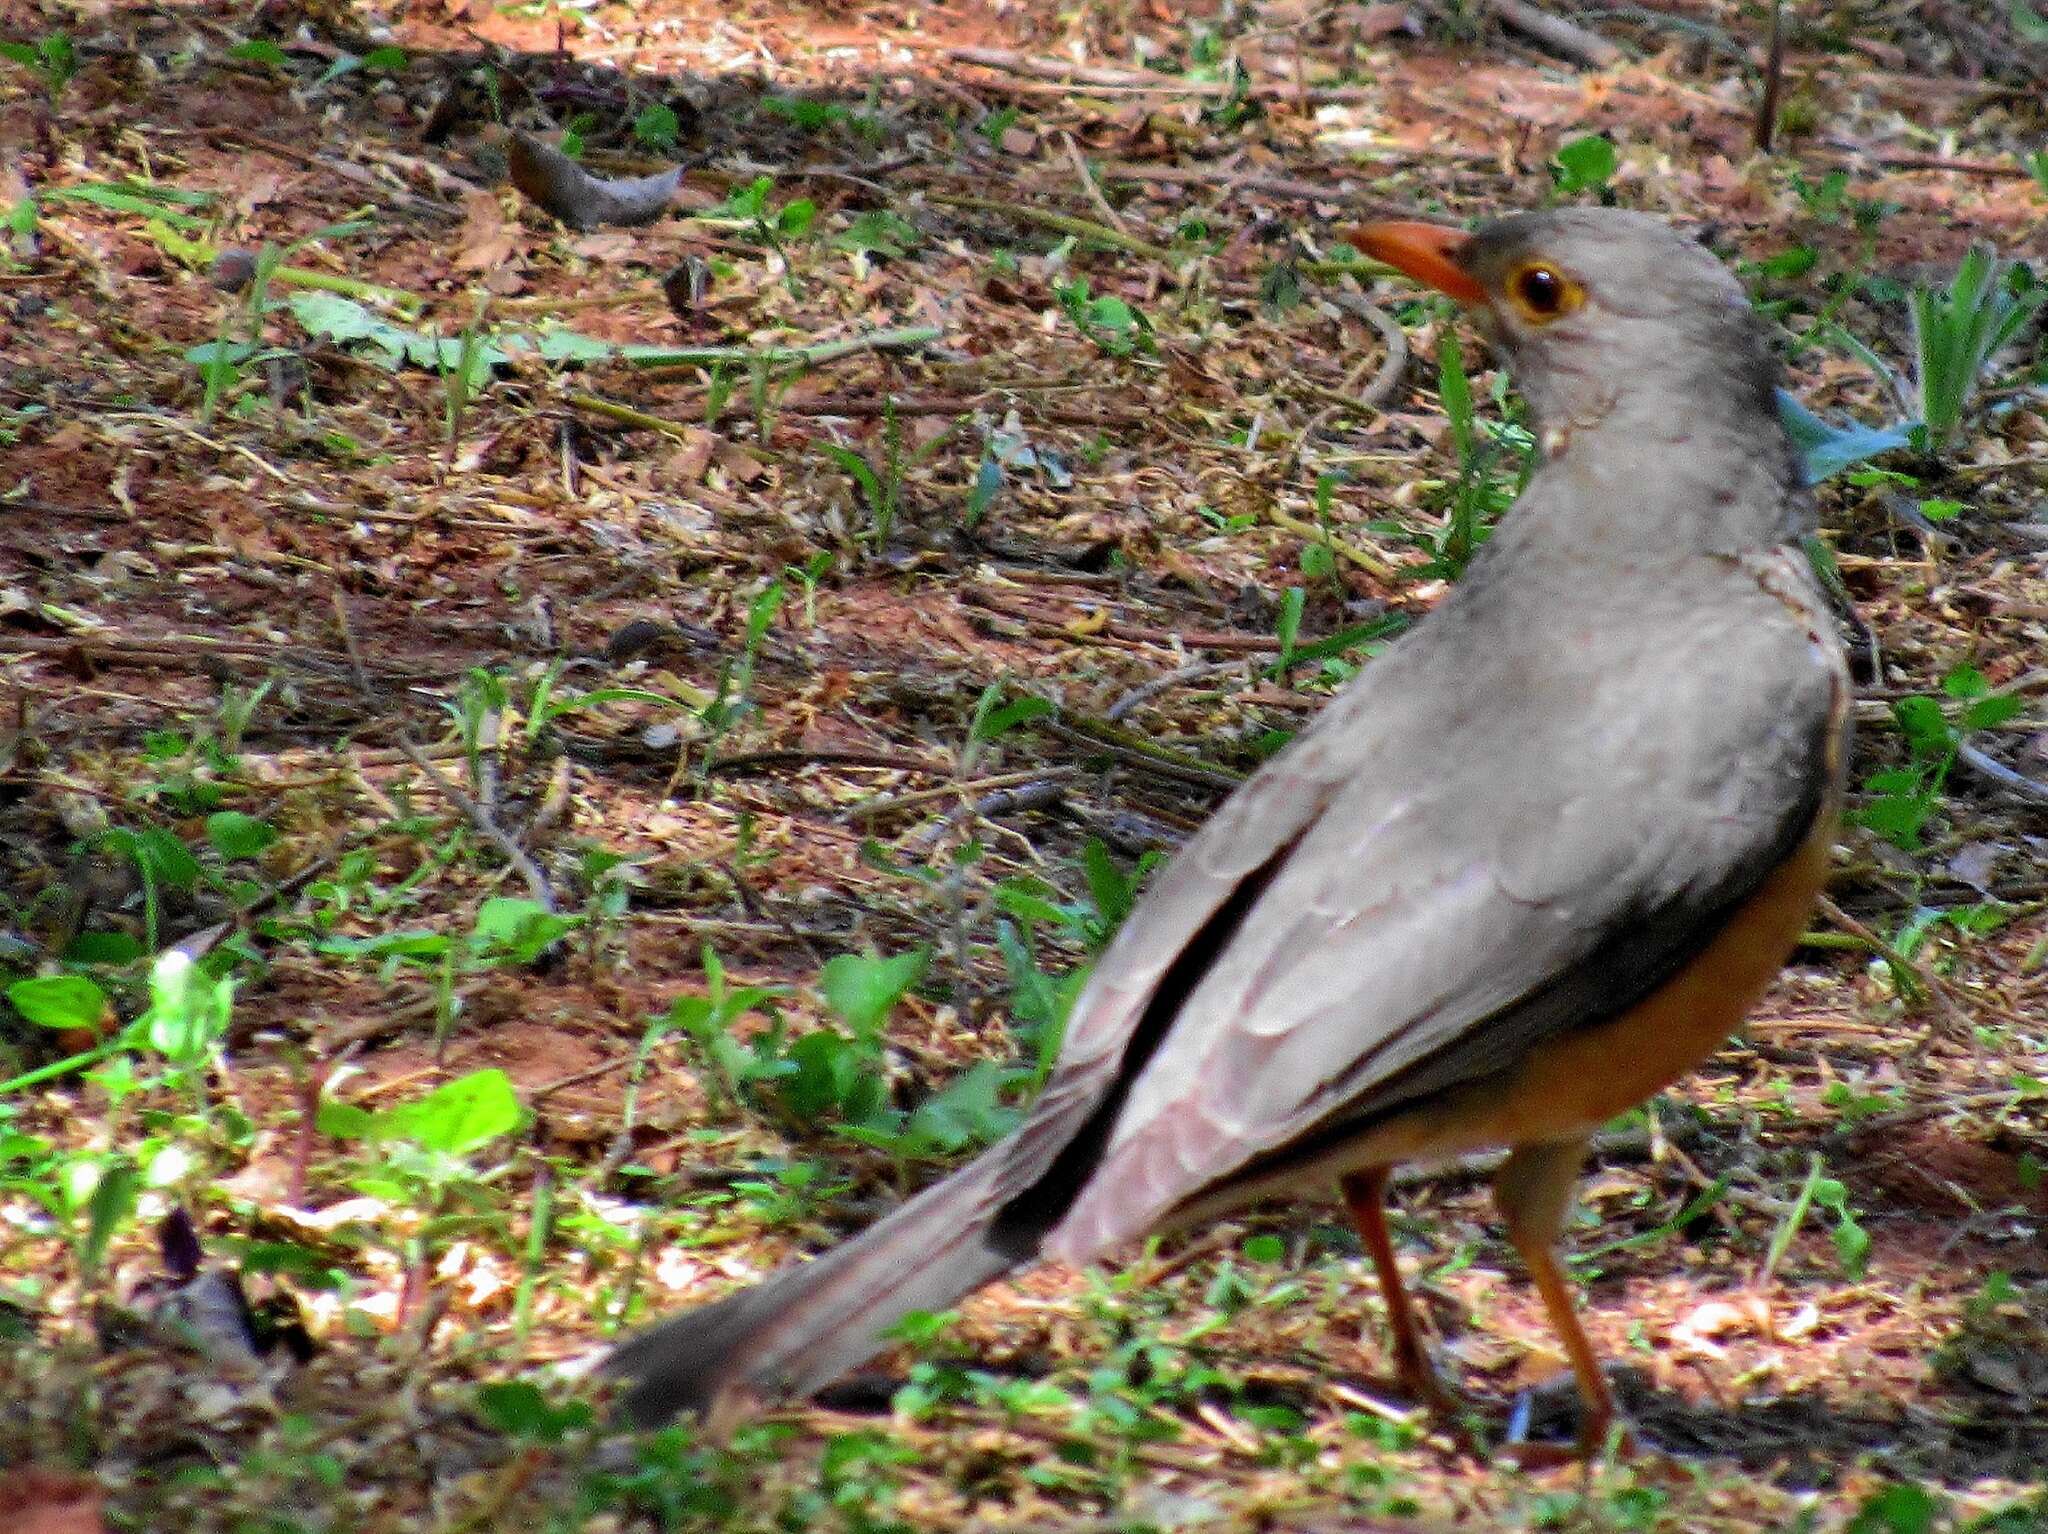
1602,1434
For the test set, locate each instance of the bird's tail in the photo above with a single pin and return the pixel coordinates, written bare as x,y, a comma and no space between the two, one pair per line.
813,1321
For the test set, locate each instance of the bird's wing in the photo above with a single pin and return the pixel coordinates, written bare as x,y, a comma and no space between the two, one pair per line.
1415,900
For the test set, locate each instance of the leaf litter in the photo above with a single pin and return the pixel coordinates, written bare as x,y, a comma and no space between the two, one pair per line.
1014,376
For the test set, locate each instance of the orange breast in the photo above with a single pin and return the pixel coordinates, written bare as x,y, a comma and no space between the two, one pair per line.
1575,1083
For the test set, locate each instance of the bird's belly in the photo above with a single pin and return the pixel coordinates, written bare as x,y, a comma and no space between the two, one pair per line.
1573,1083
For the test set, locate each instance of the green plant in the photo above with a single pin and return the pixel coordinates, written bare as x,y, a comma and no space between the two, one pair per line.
881,484
1903,798
657,127
808,575
1959,329
746,210
878,232
1115,326
1851,1240
1585,164
50,58
184,1025
2036,165
996,124
733,698
420,1157
1494,462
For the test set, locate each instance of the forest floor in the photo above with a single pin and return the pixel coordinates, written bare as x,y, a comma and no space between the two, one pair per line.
650,815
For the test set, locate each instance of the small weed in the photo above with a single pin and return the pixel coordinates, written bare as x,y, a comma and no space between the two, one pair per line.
996,124
746,210
1904,798
1108,321
824,116
1959,329
50,58
657,127
880,484
1584,165
1494,462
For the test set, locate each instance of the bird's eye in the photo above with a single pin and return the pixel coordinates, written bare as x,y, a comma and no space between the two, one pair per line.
1543,292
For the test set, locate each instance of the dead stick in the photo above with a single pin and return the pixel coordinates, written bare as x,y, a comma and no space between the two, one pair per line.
490,830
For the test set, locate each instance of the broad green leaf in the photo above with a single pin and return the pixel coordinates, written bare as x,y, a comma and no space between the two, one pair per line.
59,1001
864,989
235,835
458,1117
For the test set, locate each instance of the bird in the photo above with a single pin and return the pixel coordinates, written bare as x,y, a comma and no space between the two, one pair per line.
1533,864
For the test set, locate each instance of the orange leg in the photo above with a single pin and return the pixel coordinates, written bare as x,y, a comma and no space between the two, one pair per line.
1534,1191
1365,1195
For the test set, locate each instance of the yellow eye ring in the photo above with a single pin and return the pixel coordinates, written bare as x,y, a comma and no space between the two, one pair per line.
1541,293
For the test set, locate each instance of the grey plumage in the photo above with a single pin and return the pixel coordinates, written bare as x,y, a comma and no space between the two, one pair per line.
1500,833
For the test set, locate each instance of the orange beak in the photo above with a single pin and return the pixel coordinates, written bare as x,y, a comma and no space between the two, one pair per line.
1426,252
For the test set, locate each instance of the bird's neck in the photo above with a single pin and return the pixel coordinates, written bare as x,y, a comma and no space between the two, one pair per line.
1644,480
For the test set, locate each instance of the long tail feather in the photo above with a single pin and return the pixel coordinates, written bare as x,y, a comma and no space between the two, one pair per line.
814,1321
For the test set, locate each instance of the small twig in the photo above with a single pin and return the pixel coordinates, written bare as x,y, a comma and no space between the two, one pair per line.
1044,790
890,804
490,830
1060,75
824,756
1372,564
1089,188
1079,729
1567,39
1774,81
348,642
657,359
1145,692
2015,783
1065,223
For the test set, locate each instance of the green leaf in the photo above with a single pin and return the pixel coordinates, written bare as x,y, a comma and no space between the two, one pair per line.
59,1001
830,1075
1000,721
796,217
235,835
344,1121
1907,1508
657,127
968,1111
1924,725
1585,163
458,1117
1264,1249
1965,682
878,231
259,50
1288,629
1987,713
103,948
518,930
189,1010
112,1202
517,1409
864,989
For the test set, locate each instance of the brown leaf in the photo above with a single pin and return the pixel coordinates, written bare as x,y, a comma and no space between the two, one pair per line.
38,1501
484,242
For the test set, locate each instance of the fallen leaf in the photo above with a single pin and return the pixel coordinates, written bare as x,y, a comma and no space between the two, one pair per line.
37,1501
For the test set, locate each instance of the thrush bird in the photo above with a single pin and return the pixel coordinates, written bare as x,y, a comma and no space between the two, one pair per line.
1531,866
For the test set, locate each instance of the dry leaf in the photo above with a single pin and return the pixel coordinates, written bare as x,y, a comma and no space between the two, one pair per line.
484,242
49,1502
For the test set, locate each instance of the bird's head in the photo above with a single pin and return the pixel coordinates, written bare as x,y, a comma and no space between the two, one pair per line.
1603,315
